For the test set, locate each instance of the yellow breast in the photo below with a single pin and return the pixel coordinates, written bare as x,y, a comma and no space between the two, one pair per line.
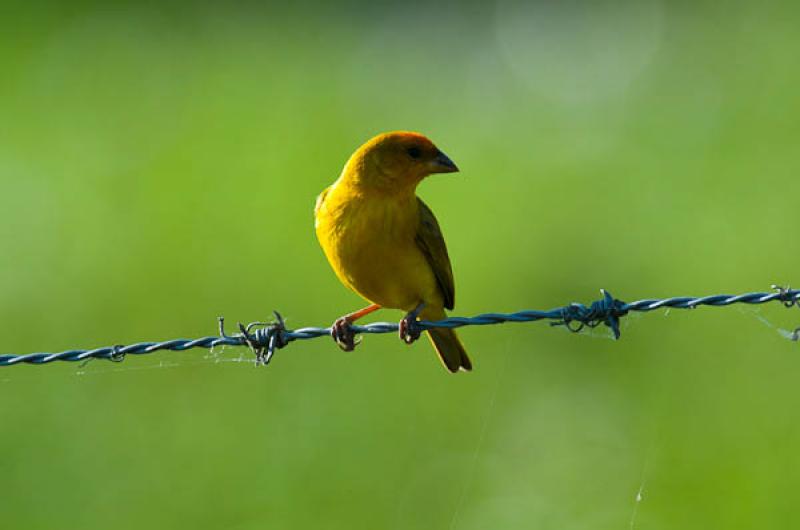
370,243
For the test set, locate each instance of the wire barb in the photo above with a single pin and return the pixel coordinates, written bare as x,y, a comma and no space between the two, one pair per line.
265,338
606,311
785,295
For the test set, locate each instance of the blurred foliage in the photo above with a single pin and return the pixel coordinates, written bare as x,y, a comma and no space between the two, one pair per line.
159,166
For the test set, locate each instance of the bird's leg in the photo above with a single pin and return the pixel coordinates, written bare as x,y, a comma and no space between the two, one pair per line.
409,331
342,331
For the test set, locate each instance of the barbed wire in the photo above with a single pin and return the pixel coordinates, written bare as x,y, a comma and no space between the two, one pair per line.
265,338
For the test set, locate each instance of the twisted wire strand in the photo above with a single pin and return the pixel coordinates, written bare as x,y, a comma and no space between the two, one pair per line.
264,338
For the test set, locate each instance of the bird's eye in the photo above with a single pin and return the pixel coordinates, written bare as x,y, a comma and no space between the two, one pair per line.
414,152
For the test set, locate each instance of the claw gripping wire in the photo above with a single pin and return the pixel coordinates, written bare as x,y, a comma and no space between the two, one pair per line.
265,338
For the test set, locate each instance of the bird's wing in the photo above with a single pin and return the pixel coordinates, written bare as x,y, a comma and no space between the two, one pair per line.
431,242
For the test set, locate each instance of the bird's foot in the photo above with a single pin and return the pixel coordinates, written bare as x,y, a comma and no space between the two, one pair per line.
409,329
343,335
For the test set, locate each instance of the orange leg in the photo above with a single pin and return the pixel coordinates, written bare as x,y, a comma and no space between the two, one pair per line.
342,331
361,313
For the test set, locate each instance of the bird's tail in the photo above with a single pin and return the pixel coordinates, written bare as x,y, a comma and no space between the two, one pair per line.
450,350
448,345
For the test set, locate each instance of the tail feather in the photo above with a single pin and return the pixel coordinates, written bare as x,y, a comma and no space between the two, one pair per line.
450,349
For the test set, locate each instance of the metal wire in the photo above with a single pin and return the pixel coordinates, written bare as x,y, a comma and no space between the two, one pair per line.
265,338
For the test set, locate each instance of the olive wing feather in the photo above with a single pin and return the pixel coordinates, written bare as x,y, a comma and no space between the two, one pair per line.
430,240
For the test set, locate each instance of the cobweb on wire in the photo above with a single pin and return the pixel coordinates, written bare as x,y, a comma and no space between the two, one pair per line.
222,355
758,314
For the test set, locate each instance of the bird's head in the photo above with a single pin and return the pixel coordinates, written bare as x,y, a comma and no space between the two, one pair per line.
397,161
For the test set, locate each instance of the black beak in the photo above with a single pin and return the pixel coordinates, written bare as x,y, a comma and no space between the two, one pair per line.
443,164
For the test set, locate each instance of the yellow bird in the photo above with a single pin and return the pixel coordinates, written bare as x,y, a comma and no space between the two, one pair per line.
384,243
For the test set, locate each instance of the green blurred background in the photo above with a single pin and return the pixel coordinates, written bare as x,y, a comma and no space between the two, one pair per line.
159,168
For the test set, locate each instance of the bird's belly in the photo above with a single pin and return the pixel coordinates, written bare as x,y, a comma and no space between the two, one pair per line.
384,266
390,276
